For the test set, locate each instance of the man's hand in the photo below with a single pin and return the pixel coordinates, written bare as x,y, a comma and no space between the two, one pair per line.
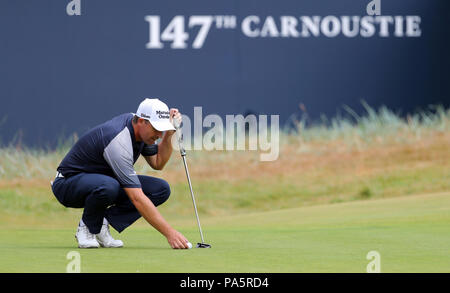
149,212
175,117
177,240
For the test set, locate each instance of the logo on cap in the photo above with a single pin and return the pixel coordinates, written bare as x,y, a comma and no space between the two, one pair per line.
163,114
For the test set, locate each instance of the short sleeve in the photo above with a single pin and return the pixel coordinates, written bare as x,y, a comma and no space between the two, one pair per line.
119,156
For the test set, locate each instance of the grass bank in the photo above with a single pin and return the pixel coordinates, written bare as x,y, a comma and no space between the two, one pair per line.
372,156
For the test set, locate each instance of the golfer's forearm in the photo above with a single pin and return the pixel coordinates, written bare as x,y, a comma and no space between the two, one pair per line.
148,210
164,151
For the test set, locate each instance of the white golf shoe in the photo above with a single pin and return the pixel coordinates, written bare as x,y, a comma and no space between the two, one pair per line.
85,238
105,239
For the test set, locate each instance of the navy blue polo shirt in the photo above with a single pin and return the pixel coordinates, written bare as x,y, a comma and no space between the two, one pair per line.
110,149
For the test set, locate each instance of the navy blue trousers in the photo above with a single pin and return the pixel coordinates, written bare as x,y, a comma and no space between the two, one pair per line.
102,196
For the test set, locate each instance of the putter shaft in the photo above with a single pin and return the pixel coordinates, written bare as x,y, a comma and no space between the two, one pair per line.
183,155
192,195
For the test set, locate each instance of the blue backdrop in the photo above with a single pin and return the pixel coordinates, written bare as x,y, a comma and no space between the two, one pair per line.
61,74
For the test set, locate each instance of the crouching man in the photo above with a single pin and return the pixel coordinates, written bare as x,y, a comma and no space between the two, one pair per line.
98,175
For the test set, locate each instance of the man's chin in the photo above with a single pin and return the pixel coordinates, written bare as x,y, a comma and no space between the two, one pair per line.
149,142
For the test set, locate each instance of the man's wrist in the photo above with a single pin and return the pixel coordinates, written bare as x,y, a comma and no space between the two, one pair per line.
169,133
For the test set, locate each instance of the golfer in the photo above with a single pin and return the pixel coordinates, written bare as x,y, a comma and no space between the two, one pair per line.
98,175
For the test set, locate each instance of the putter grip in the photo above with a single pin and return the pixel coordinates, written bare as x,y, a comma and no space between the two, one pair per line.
180,140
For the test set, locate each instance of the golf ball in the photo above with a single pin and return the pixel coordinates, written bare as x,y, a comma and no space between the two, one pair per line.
189,245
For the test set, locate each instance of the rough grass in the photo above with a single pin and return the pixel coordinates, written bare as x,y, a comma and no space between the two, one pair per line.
377,155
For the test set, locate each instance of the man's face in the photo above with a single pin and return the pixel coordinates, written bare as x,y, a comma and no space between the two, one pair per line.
148,133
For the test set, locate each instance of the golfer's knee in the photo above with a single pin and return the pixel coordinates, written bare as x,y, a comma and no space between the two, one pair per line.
165,190
163,193
108,191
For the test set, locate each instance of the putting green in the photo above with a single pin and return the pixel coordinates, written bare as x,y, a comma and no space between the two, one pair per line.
411,234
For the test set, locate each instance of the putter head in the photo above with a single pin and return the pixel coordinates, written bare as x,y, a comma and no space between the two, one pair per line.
203,245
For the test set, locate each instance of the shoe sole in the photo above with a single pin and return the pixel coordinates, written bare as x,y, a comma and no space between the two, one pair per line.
101,244
85,247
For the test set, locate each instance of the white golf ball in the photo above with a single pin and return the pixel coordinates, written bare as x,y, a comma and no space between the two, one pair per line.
189,245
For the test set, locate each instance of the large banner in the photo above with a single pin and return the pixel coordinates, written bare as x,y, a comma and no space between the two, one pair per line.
66,66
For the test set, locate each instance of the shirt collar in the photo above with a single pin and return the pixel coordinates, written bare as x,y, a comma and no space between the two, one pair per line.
130,127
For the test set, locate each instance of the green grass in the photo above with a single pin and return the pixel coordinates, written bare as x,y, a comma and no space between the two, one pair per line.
339,189
410,233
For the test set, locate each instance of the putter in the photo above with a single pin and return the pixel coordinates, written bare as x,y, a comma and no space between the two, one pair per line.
183,155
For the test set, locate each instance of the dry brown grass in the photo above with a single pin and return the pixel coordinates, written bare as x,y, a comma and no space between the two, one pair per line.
297,160
380,156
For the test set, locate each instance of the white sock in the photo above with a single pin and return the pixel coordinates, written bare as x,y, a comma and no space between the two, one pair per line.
81,223
105,222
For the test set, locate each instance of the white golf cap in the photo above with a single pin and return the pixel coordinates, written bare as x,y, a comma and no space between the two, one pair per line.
156,112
